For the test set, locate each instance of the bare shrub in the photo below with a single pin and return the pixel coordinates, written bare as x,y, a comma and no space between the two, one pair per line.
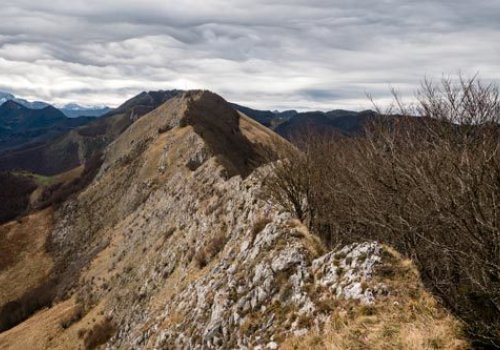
74,317
201,259
81,333
15,191
216,244
259,225
59,192
99,334
164,128
16,311
168,233
430,186
213,247
288,184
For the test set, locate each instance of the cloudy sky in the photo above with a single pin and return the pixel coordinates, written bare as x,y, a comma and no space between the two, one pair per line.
305,54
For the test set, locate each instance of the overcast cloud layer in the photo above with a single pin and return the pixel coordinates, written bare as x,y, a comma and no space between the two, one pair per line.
305,54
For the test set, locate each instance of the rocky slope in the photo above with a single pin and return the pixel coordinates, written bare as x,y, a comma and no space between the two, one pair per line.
71,110
174,246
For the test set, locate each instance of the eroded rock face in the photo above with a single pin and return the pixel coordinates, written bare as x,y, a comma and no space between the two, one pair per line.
265,293
195,257
259,288
347,271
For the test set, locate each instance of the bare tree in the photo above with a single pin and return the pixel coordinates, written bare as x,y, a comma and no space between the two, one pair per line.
428,184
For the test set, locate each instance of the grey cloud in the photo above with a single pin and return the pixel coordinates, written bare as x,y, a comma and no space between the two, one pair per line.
283,54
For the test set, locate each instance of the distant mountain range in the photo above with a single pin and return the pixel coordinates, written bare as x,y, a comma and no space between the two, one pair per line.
290,124
71,110
5,96
64,151
40,138
20,125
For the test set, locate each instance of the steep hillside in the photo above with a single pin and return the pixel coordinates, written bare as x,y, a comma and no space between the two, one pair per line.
174,246
71,149
22,192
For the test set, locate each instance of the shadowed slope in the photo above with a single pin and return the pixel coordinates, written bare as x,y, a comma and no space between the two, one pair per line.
219,125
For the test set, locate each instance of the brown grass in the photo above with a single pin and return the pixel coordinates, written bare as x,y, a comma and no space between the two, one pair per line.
23,260
259,224
409,319
99,334
201,259
210,250
36,332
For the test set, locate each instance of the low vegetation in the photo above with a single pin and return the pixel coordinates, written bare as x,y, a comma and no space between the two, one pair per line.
57,193
259,225
99,334
14,312
15,191
211,249
409,319
429,186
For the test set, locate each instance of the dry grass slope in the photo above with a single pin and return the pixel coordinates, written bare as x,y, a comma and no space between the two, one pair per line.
409,319
24,261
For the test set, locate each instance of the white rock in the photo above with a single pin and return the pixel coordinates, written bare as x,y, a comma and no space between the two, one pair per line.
272,345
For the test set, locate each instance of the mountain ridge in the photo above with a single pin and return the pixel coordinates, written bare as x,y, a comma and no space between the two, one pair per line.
35,153
174,245
71,110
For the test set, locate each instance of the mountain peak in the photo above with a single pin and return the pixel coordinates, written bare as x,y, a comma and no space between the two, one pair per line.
146,99
6,96
11,105
209,119
23,125
214,119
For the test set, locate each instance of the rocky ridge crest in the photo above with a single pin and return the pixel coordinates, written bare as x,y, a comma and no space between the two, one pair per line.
237,272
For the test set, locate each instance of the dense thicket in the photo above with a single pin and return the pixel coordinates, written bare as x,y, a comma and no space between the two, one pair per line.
430,186
15,191
57,193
